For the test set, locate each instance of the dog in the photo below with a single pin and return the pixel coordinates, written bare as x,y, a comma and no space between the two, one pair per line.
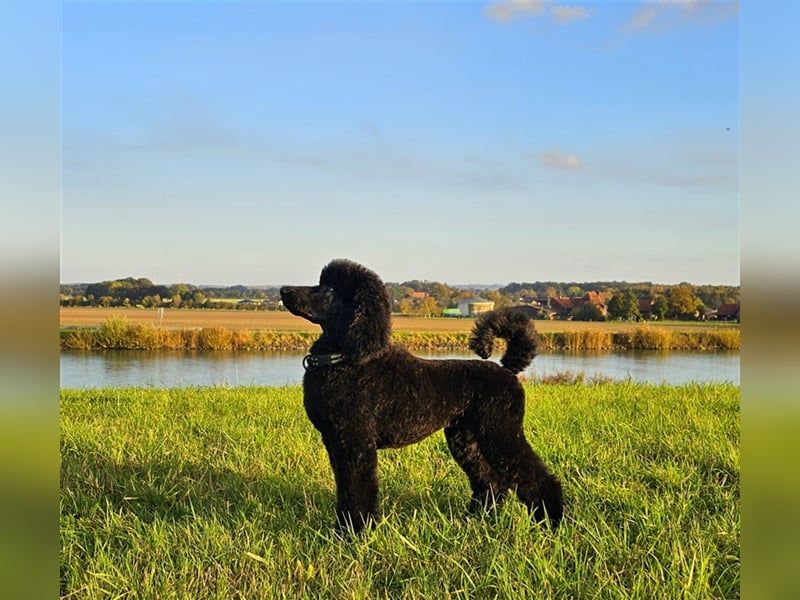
364,393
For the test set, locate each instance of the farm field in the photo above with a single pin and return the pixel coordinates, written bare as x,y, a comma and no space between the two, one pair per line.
284,321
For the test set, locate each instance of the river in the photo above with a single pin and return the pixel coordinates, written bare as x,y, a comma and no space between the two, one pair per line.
163,369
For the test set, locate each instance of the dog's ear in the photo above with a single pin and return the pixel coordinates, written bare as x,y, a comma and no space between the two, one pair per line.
370,328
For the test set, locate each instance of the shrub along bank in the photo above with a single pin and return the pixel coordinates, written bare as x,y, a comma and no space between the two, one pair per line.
118,333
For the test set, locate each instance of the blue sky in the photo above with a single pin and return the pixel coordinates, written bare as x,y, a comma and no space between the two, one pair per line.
462,142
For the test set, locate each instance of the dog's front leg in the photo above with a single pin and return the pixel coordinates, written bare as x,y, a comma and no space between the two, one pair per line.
355,469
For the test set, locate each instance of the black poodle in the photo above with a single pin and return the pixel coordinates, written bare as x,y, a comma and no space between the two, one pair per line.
363,393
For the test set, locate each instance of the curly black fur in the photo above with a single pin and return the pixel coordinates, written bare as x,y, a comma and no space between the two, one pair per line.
374,395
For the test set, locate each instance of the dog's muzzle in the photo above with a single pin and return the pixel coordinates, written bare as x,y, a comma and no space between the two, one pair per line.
311,362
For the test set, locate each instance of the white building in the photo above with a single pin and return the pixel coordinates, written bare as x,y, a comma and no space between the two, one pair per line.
469,307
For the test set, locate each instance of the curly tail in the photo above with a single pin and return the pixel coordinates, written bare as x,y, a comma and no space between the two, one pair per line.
512,325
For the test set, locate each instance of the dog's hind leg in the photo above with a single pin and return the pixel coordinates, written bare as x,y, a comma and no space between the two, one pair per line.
487,488
502,442
355,469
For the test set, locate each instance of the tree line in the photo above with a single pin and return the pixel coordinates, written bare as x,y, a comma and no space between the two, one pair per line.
142,292
622,300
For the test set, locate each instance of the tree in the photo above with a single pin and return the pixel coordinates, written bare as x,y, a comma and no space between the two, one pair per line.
398,292
660,308
198,298
499,299
574,291
151,301
98,290
442,294
682,303
180,289
588,312
552,292
405,305
624,305
428,307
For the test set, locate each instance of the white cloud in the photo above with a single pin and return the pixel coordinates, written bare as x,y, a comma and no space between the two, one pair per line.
555,159
643,17
667,13
511,10
505,11
567,14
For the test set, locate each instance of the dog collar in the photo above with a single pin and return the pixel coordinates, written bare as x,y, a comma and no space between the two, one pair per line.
312,362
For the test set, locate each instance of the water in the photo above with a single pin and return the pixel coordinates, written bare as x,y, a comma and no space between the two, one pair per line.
161,369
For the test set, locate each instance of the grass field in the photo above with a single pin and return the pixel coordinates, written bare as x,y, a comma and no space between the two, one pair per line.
227,493
284,321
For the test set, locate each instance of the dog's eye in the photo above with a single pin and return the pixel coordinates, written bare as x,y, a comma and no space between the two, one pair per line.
326,289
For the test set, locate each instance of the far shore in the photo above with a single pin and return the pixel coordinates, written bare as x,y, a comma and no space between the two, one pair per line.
282,321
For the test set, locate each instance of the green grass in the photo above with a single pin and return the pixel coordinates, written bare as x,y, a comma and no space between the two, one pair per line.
227,493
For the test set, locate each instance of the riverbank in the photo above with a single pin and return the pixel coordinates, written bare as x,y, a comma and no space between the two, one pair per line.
119,333
222,493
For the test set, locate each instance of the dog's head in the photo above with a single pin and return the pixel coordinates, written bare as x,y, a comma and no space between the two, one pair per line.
351,305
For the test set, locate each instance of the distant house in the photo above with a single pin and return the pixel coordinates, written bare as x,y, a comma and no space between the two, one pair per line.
562,307
534,310
469,307
646,308
725,312
538,307
419,295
